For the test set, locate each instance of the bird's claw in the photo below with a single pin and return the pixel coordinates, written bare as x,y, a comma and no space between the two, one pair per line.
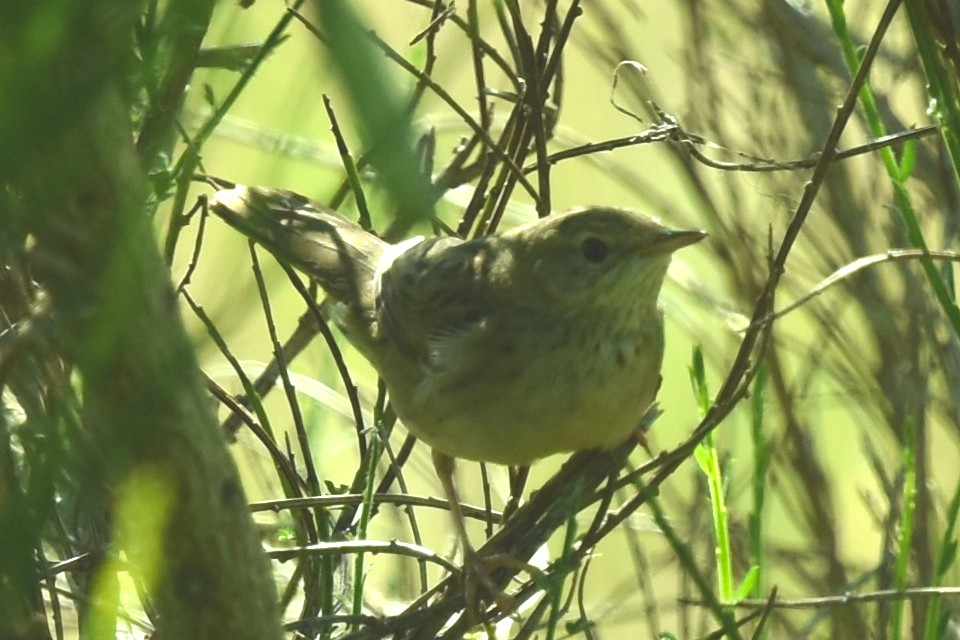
477,576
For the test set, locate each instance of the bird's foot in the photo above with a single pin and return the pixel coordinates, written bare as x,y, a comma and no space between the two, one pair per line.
480,585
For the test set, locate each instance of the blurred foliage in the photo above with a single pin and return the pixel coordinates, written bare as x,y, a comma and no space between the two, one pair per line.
471,116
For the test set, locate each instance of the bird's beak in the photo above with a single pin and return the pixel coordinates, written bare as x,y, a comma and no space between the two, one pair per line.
673,239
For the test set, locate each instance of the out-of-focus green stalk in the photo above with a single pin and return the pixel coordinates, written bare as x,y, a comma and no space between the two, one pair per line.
941,82
366,510
945,110
722,614
709,460
905,540
946,557
761,463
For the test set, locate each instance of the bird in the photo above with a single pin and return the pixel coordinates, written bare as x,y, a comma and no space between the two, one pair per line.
504,348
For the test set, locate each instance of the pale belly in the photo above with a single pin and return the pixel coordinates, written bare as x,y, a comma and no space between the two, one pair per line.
574,397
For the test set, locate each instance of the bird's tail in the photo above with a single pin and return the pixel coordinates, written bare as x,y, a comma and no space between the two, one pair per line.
338,254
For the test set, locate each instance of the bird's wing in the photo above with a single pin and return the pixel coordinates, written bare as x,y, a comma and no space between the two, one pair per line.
435,299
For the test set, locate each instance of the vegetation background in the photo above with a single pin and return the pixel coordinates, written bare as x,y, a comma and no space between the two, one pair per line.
804,464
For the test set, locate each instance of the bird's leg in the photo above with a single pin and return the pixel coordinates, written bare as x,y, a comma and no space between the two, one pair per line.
640,437
649,417
476,569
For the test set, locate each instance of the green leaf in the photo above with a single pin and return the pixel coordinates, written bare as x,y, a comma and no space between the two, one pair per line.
908,160
748,584
698,379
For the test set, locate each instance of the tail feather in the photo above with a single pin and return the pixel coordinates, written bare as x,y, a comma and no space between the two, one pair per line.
338,254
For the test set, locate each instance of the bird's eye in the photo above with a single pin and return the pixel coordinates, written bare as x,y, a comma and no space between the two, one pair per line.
594,249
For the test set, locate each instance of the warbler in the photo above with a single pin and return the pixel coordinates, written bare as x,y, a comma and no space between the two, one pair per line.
505,348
